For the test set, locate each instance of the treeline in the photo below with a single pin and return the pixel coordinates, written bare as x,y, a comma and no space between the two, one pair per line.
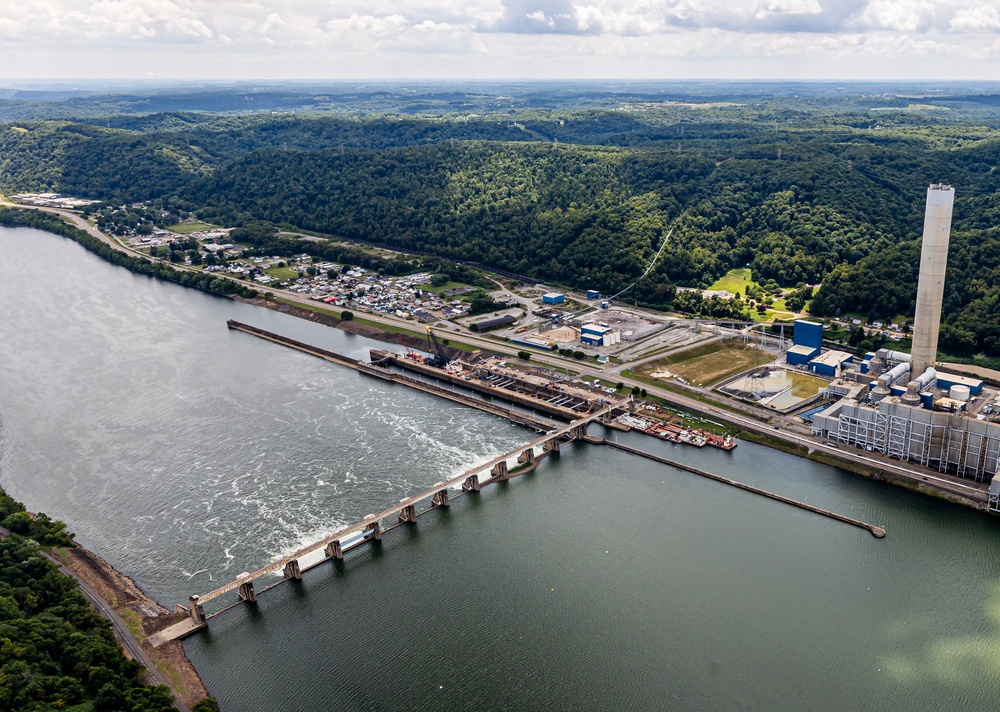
12,217
55,651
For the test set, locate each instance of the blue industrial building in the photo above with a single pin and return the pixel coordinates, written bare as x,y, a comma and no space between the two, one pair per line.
593,294
553,298
808,341
947,380
831,363
599,335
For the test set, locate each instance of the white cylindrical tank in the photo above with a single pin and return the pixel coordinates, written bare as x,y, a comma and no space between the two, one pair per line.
959,392
933,263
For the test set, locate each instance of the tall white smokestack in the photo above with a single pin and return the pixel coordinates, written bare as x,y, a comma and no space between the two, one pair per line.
930,288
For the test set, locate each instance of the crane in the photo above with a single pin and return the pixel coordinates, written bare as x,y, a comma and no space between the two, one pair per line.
410,353
440,358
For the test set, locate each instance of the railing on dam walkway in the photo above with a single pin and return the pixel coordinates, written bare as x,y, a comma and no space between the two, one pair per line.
370,527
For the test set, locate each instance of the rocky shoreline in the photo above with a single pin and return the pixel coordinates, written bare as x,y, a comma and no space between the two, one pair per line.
143,615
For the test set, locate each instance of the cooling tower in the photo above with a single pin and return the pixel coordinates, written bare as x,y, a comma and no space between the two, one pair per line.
930,288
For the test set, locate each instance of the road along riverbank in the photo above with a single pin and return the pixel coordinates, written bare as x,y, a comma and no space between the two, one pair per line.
143,617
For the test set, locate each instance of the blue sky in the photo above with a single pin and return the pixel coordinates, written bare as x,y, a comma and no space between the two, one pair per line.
367,39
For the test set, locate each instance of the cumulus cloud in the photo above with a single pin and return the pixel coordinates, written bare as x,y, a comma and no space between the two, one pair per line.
984,17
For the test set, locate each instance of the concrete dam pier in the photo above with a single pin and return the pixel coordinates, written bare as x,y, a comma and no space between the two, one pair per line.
372,527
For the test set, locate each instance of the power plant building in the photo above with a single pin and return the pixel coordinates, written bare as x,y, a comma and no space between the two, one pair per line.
830,363
911,411
553,298
807,338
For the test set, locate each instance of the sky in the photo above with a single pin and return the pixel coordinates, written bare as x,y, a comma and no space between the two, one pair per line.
500,39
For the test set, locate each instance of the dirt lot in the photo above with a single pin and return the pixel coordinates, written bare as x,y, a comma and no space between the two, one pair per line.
710,363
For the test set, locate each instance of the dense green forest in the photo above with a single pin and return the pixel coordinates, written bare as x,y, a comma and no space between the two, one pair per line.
55,651
581,189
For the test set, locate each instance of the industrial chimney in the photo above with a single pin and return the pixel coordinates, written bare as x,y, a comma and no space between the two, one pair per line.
930,288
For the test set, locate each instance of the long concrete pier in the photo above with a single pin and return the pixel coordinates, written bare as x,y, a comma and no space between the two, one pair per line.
875,531
519,417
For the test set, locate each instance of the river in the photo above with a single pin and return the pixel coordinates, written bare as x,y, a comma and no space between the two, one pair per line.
184,453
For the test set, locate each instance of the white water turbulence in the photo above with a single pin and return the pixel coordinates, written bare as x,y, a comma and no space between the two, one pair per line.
212,452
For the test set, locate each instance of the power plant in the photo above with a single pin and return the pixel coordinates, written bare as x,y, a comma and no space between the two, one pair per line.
910,410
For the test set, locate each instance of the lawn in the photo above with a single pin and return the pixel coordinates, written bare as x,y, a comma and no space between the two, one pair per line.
282,273
190,227
709,363
735,279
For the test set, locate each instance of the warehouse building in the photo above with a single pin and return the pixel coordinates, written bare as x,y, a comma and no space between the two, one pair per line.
599,335
553,298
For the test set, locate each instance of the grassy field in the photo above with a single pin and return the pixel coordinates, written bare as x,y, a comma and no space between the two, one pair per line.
709,363
282,273
190,227
735,279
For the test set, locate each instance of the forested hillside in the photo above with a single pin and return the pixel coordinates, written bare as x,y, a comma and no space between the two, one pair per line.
804,190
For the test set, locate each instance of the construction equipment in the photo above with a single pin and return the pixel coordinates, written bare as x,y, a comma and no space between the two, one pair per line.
439,357
410,353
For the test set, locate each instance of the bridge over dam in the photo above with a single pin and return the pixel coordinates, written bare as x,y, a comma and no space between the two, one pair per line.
522,459
373,526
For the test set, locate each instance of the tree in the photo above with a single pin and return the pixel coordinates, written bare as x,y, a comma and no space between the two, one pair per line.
579,355
635,390
524,355
619,386
346,315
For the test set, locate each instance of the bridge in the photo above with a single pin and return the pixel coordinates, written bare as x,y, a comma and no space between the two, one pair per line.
370,528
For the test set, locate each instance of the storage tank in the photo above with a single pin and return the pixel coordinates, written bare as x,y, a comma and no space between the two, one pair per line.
959,393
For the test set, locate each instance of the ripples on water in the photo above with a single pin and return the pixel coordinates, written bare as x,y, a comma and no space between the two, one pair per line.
186,453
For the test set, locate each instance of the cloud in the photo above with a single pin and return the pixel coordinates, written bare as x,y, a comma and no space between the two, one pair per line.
532,17
498,37
984,17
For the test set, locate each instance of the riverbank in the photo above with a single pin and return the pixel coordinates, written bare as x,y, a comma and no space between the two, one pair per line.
351,326
75,591
141,614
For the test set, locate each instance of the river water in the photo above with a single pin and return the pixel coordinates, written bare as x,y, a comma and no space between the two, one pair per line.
184,453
